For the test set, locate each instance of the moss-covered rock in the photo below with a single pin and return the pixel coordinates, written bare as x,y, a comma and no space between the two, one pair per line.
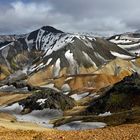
47,98
122,96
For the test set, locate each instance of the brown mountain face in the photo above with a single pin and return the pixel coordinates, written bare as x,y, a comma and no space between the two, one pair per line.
90,78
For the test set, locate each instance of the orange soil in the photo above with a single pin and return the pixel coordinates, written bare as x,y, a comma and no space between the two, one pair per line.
123,132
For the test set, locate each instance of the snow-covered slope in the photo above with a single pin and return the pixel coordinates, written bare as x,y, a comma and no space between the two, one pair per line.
128,41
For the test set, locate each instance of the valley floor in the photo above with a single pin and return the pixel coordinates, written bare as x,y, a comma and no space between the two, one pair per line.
11,129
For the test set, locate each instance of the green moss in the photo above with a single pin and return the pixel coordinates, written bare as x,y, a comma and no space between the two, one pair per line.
116,99
137,81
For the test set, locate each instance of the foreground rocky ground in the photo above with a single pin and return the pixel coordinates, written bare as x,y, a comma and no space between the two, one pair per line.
122,132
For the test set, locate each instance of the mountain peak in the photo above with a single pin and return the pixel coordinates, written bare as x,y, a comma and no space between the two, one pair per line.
51,29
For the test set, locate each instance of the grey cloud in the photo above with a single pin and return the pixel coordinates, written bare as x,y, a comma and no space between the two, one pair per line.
99,16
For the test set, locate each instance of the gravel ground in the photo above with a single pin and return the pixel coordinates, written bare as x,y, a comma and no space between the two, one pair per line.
122,132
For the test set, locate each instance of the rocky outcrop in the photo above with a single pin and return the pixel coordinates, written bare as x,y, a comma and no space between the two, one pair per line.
49,98
124,95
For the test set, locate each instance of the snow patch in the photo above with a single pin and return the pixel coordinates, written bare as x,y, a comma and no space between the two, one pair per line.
99,57
79,125
1,48
56,68
69,78
91,38
51,86
120,41
25,70
41,101
105,114
7,88
49,61
96,96
89,59
123,56
79,96
117,37
69,56
66,93
72,62
65,88
129,46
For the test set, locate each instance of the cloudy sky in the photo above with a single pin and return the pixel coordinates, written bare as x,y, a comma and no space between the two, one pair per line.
97,16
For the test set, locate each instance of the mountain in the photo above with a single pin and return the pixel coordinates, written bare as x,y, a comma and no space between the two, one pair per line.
55,52
128,41
70,72
70,63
